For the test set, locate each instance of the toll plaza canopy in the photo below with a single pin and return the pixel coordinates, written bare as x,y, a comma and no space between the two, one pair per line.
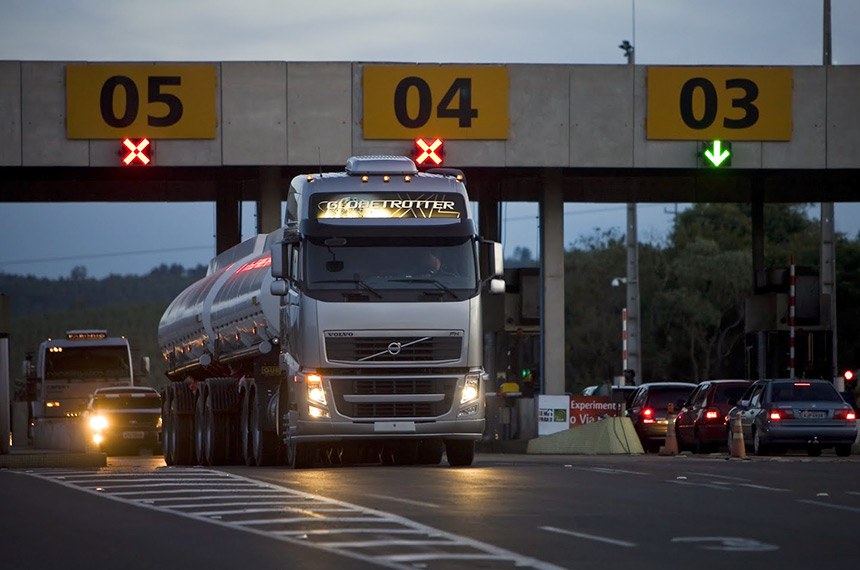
231,131
615,132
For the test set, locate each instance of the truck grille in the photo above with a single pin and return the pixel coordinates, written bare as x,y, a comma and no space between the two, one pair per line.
393,349
399,390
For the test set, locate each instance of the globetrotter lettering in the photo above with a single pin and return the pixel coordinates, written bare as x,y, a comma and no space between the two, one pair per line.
374,206
347,207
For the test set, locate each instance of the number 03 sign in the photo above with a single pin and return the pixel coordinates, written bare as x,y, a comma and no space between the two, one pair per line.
720,103
163,101
446,101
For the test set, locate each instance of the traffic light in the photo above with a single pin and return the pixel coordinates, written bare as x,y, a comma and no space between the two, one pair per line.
715,154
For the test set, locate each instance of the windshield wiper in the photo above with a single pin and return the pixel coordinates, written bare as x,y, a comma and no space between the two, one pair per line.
356,281
435,282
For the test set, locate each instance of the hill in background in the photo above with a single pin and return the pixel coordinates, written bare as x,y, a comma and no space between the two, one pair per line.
127,305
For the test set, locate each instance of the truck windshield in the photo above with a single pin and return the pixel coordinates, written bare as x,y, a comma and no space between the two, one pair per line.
374,268
87,362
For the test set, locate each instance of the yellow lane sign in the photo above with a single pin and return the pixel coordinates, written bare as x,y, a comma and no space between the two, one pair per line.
719,103
158,101
446,101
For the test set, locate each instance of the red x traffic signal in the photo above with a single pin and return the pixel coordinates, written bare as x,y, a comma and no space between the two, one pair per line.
428,153
136,152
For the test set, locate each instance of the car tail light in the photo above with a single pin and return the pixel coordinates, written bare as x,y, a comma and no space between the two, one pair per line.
776,414
712,415
844,415
648,416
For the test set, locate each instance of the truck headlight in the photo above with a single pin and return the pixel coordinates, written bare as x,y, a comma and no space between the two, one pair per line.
98,423
316,392
471,388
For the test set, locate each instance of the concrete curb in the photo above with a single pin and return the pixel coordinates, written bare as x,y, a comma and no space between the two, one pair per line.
31,459
604,437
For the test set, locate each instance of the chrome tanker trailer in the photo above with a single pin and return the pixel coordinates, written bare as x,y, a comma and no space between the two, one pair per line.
352,333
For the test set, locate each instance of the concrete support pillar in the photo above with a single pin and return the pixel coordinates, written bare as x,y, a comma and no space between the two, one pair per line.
489,218
5,424
269,204
552,285
228,225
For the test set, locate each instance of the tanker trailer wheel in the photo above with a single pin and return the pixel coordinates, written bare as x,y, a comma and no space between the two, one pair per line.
245,437
263,442
219,433
460,452
167,426
181,425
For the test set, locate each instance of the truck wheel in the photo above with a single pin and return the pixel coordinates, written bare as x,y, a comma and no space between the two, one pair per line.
182,425
216,434
166,426
301,455
264,442
461,453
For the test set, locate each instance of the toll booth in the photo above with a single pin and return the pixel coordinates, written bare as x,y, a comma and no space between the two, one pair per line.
768,331
512,356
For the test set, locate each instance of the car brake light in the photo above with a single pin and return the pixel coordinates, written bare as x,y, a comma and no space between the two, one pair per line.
844,415
780,414
648,416
712,414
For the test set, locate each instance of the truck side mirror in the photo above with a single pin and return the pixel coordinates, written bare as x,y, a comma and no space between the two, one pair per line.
145,365
280,259
492,259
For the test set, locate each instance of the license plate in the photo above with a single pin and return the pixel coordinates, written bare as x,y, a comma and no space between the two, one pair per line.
813,414
132,435
390,427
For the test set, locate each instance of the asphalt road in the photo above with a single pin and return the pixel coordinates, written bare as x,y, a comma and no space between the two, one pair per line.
507,511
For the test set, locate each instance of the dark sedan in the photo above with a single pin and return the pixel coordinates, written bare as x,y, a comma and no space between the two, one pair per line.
649,409
701,423
808,414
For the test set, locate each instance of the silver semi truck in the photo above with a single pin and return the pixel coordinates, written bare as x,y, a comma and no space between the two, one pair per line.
66,372
351,334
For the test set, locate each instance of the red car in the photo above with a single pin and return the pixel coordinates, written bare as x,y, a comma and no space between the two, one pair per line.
701,423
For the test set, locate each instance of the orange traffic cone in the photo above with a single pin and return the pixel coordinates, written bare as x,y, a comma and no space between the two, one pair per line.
736,446
670,447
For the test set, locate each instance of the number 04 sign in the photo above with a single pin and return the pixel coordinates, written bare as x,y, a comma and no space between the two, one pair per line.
446,101
158,101
719,103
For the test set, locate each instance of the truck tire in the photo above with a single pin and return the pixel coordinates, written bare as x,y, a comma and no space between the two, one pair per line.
247,443
182,424
461,453
166,426
264,443
218,407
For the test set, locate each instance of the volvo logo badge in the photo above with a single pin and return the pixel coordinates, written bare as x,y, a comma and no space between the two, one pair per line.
394,348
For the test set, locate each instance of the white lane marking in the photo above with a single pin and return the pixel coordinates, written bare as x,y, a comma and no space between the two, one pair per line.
718,486
762,487
853,492
278,509
608,470
727,543
383,523
407,501
831,505
715,476
607,540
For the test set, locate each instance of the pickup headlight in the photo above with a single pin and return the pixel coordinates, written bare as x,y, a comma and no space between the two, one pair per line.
471,388
98,423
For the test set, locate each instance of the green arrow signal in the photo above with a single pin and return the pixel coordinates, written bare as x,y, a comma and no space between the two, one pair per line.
716,153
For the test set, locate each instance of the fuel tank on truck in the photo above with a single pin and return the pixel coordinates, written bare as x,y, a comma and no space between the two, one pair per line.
227,314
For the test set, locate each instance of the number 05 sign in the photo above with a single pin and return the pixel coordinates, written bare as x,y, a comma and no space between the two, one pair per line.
719,103
158,101
446,101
